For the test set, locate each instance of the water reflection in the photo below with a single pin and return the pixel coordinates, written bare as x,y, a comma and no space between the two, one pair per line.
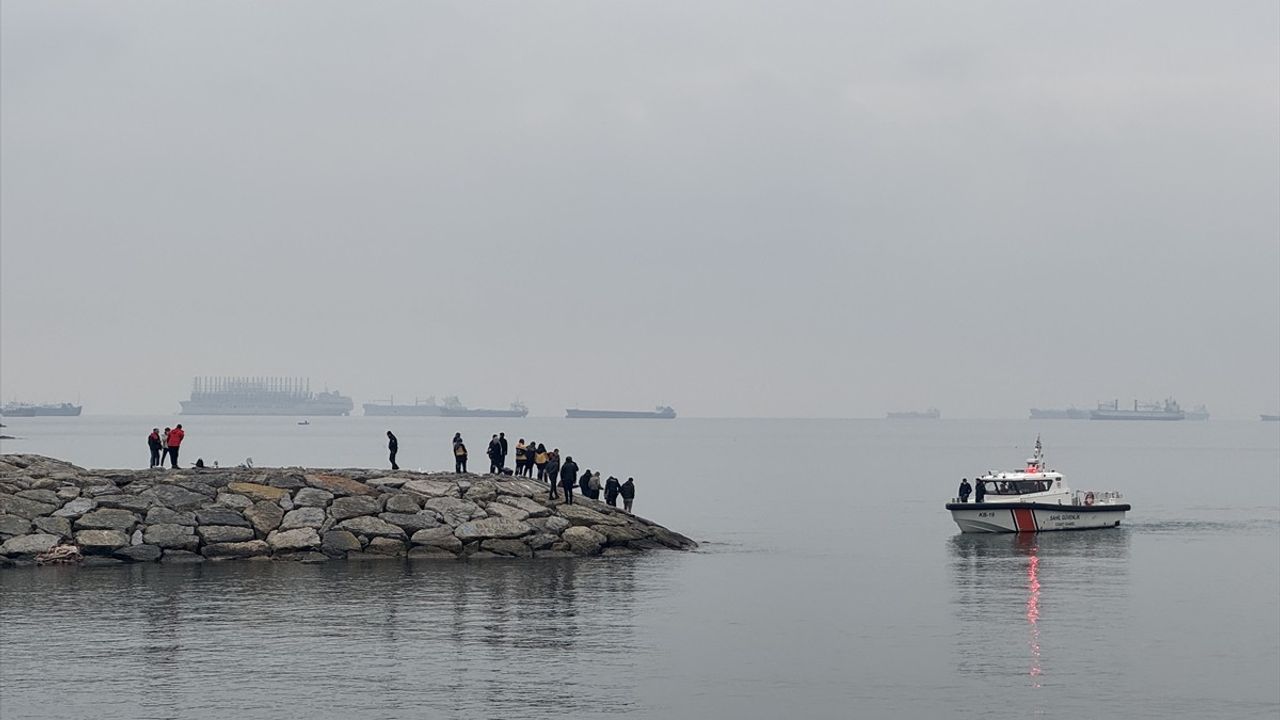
492,639
1012,589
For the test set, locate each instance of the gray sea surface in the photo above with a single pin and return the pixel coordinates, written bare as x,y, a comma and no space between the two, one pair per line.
830,583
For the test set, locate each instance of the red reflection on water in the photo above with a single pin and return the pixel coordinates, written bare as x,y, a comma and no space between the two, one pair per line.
1033,615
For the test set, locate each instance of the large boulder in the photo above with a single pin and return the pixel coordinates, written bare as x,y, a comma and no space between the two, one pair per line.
622,533
431,488
579,515
24,507
513,548
265,516
312,517
339,485
180,557
175,498
101,542
453,510
411,522
177,537
583,540
224,533
403,503
482,491
251,548
441,537
531,508
14,525
221,516
289,540
133,503
107,519
385,546
256,492
555,524
76,508
53,525
492,527
353,506
140,553
48,497
366,525
312,497
337,542
163,515
29,544
234,500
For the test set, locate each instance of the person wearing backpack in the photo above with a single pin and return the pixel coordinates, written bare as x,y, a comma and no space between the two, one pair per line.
459,454
540,459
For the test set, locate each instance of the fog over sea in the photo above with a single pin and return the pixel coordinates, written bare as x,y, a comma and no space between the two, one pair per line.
830,583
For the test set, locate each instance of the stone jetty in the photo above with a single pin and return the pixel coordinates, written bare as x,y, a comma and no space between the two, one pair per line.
55,512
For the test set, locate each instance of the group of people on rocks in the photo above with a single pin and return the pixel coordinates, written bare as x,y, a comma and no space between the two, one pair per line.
165,446
530,455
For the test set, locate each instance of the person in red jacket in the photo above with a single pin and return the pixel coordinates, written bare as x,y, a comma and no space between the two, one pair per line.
175,440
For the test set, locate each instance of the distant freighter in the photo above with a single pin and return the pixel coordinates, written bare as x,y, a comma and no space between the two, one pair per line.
1270,418
1141,411
451,407
662,412
17,409
930,414
262,396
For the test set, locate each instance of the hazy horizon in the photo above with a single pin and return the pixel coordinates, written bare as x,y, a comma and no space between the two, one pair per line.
736,209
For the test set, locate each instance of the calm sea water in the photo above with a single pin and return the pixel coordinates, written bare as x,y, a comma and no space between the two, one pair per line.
831,583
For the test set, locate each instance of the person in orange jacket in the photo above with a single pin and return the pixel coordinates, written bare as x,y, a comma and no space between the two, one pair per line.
175,440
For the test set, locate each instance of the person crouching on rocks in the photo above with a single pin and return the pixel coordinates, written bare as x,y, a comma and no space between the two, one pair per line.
568,475
459,454
611,488
628,491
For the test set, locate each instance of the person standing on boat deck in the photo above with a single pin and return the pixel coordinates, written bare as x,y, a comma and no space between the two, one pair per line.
964,490
520,457
502,441
175,441
980,491
153,444
568,475
611,488
459,454
628,491
394,446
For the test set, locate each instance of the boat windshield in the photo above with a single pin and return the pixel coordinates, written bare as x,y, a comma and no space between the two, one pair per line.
1014,487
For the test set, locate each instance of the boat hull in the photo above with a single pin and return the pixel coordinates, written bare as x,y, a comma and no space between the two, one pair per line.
1034,517
618,414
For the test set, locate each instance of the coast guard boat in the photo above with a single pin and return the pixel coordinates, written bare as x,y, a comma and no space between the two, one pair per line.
1035,499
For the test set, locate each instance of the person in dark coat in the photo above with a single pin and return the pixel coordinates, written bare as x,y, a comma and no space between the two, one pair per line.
393,445
568,476
553,470
980,491
164,447
965,489
153,444
502,443
628,492
593,487
584,484
495,455
611,488
459,454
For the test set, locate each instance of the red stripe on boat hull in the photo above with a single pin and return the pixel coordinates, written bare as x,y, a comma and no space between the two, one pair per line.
1024,520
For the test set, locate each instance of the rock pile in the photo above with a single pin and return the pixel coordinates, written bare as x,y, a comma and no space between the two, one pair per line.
52,511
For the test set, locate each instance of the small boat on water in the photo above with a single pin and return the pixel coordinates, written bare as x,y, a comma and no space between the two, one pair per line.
304,422
1035,499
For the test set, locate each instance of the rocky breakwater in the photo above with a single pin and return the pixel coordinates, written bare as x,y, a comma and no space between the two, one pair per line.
52,511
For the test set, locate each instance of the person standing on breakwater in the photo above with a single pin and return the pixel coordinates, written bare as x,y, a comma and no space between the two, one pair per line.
553,471
965,489
540,459
502,443
153,444
394,446
594,486
175,441
611,488
164,447
584,484
568,474
628,491
459,454
495,455
520,457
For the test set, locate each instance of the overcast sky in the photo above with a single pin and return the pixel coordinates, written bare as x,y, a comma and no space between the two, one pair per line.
736,208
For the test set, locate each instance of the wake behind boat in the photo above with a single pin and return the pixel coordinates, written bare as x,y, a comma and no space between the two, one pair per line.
1034,499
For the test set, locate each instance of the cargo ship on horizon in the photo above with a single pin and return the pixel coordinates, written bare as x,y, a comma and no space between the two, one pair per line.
1169,410
17,409
1068,413
451,407
262,396
662,412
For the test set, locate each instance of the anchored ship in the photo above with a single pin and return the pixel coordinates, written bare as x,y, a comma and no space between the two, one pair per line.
662,412
1169,410
17,409
1270,418
1070,413
451,407
262,396
930,414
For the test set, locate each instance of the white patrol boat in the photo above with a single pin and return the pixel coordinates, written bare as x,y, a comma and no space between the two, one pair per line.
1034,499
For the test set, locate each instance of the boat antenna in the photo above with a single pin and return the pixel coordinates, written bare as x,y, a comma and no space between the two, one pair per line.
1039,453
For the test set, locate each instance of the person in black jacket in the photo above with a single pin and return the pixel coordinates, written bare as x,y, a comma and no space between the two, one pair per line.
584,484
965,489
553,470
980,491
502,444
495,455
568,475
611,488
628,491
394,446
153,444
